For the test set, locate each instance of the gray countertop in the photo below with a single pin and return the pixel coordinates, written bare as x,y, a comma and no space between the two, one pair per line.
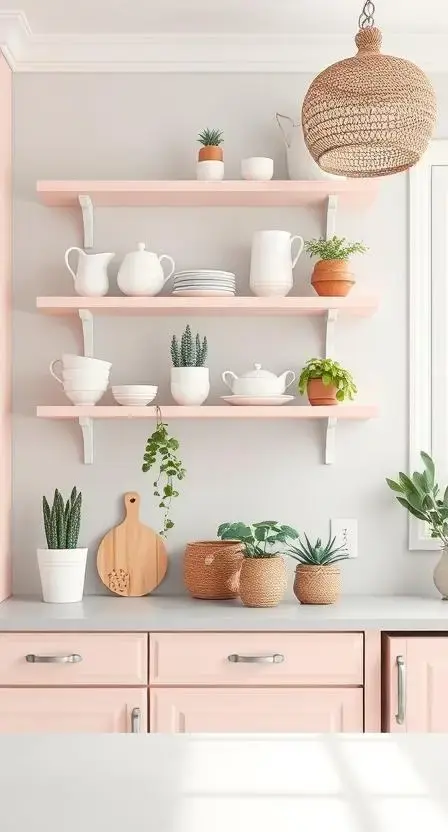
101,613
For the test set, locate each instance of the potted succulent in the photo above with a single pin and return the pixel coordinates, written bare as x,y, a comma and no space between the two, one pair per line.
317,579
326,382
62,566
263,571
190,383
210,164
420,495
331,276
161,451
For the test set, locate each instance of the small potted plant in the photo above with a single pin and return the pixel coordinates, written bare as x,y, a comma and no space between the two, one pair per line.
161,452
210,164
420,495
326,382
190,383
331,276
317,579
62,566
263,571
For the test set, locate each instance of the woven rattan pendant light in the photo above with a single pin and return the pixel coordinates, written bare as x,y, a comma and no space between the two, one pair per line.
370,115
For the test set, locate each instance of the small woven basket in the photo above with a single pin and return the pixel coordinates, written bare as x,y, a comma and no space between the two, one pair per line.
317,584
262,581
212,569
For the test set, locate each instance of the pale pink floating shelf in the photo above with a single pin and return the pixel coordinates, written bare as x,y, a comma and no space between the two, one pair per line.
353,305
209,412
352,193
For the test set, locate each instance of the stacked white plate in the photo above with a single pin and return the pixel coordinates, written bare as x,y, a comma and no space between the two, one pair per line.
204,282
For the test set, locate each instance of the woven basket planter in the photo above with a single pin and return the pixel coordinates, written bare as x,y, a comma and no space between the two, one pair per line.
212,569
262,581
332,278
317,584
321,394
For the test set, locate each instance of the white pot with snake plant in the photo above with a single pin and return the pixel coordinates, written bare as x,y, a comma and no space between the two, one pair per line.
190,381
62,566
422,497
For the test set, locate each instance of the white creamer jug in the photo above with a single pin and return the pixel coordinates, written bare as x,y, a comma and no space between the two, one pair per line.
90,278
301,164
272,262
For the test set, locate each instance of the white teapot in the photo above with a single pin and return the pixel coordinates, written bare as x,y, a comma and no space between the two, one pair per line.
141,272
258,382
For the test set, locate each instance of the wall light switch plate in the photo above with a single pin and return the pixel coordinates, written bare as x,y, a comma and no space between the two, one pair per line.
346,534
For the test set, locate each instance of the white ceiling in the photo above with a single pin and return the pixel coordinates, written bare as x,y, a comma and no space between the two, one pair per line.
226,16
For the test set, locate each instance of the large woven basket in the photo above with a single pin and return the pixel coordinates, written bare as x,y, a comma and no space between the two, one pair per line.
262,581
317,584
212,569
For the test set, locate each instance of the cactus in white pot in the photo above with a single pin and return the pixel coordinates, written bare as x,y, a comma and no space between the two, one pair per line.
190,382
62,566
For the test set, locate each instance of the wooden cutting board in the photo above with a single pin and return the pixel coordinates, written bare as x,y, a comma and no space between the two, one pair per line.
132,558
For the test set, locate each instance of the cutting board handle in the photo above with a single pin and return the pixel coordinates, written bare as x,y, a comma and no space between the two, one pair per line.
132,505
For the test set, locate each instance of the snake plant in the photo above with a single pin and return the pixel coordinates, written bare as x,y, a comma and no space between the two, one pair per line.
62,521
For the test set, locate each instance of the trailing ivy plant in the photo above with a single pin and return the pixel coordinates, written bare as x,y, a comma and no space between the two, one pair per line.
331,373
261,540
161,452
336,248
421,496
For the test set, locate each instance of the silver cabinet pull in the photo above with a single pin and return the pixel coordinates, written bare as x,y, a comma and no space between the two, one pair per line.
135,720
400,716
72,659
274,658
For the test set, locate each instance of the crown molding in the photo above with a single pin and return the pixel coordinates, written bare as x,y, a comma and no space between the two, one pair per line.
27,51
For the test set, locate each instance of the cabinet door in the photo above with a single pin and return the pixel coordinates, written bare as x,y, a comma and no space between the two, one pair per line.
51,711
200,710
416,684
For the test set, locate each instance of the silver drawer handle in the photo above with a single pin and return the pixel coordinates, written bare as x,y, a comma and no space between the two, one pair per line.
72,659
135,720
274,658
400,716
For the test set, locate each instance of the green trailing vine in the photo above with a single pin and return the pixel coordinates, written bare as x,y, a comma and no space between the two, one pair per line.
161,450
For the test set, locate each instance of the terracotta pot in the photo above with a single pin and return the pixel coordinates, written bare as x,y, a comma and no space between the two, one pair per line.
332,278
211,153
317,584
320,393
212,569
262,581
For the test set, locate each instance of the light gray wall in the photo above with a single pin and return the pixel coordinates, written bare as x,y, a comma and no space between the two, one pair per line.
144,126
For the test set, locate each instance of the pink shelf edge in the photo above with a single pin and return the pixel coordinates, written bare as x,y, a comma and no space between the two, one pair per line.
208,412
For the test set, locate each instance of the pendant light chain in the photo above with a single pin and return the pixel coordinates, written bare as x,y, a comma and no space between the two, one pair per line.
366,19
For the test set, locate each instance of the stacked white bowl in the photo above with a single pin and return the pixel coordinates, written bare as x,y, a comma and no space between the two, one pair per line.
84,379
134,395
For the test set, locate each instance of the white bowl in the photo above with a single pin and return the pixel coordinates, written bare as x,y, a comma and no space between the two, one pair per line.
258,168
81,362
134,390
130,402
84,397
212,171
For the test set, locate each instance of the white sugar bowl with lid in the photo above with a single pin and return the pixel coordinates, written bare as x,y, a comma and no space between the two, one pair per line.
258,382
141,272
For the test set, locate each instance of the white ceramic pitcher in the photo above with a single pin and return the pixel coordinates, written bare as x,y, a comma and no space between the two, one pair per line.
301,164
272,262
90,278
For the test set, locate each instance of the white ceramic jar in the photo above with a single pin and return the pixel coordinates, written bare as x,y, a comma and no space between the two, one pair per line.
257,168
141,272
210,171
258,382
190,385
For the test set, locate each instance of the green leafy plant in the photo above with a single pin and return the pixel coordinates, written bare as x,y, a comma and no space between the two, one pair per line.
331,373
211,137
336,248
161,451
420,495
62,521
189,353
261,540
316,554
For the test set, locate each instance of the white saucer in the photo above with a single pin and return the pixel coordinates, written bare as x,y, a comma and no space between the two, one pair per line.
212,293
258,400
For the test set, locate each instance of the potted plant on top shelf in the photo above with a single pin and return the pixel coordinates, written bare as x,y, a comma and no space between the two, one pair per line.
62,566
331,276
317,579
263,571
326,382
190,384
210,164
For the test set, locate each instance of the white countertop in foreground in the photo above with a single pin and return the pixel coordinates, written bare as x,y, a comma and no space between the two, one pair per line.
158,614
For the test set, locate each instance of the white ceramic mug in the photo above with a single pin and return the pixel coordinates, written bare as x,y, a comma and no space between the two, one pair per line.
74,362
98,377
272,262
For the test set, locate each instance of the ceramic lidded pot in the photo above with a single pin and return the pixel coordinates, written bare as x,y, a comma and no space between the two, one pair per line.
262,581
141,272
212,569
258,382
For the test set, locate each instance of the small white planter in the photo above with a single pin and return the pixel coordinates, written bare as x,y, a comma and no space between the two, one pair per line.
441,575
210,171
190,385
62,573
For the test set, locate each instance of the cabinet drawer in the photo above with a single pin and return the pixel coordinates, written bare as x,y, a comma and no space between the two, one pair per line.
324,659
105,659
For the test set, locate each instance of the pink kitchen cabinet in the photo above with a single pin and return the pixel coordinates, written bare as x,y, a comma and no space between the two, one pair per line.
415,685
80,710
185,710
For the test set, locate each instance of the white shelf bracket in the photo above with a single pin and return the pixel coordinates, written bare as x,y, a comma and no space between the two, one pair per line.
330,333
86,425
332,207
86,206
330,442
86,318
